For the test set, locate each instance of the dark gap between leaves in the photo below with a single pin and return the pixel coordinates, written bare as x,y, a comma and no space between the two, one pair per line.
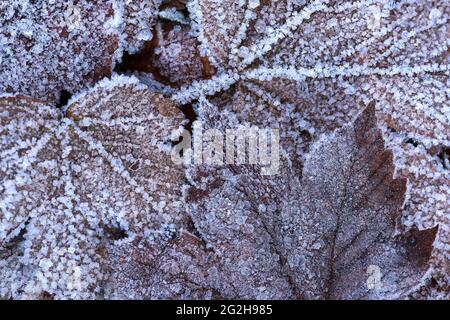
64,98
115,233
412,141
444,156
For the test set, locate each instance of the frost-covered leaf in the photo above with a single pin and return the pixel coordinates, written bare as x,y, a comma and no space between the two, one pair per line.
50,46
428,200
139,18
174,268
228,218
176,55
322,61
172,57
69,180
90,201
313,65
343,222
317,233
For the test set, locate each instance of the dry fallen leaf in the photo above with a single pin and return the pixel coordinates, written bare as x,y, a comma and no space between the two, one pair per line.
72,181
175,267
308,67
47,46
91,205
344,220
314,236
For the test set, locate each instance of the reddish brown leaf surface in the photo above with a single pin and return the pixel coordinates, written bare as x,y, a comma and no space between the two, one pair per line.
318,236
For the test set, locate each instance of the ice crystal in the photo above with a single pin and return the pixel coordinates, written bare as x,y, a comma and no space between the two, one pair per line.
68,180
176,54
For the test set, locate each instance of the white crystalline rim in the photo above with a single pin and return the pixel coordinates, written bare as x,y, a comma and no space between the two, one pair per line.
116,80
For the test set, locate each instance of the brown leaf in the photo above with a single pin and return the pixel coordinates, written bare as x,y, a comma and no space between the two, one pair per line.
310,67
176,268
345,220
330,233
49,46
172,57
81,179
229,218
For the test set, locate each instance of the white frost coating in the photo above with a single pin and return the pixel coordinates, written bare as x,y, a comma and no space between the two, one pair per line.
268,74
198,28
106,83
176,55
99,185
47,47
153,85
206,87
69,189
136,22
259,49
173,15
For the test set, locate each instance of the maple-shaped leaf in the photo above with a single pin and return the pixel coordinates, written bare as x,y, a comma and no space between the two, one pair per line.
311,66
73,182
50,46
330,231
175,267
